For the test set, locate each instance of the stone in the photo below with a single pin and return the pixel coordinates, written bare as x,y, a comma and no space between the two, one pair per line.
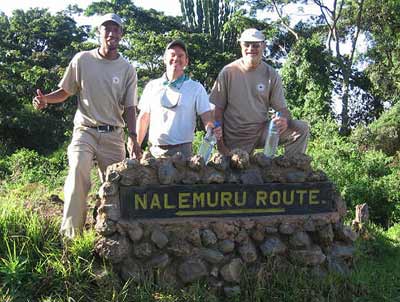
142,250
309,226
158,261
251,177
108,189
232,177
167,277
211,255
339,250
192,270
212,176
286,228
242,236
131,269
208,237
196,163
167,174
113,176
338,265
344,233
226,246
159,238
214,272
179,248
179,161
231,272
147,176
273,246
194,237
310,257
325,234
301,161
297,176
191,177
224,230
114,249
130,177
105,227
219,162
300,240
261,160
248,252
133,229
271,230
239,159
232,291
257,235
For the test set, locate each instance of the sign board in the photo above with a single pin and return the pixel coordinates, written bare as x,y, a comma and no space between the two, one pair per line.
225,200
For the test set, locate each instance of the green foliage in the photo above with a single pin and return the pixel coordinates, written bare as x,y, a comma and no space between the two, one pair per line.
362,176
305,75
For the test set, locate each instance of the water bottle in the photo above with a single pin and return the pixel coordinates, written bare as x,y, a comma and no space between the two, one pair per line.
208,143
272,139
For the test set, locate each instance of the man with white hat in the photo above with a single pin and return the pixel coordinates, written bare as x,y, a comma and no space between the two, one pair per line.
106,85
243,94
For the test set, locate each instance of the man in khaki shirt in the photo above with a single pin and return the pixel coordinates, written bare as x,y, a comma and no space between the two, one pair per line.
107,88
243,94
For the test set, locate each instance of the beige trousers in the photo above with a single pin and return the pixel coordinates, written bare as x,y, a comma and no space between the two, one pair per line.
294,139
87,144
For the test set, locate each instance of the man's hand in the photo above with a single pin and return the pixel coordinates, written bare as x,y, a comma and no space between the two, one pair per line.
281,123
218,132
39,102
134,149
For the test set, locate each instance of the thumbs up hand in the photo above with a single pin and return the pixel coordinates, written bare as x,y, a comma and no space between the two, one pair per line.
39,101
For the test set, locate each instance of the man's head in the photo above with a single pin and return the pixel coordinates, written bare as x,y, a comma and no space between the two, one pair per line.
110,30
176,57
252,43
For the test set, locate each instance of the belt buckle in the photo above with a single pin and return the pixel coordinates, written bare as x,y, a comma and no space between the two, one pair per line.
103,129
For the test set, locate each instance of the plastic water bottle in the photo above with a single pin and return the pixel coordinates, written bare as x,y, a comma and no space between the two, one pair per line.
208,143
272,139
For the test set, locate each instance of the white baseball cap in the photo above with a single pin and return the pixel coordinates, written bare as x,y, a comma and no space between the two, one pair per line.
110,17
252,35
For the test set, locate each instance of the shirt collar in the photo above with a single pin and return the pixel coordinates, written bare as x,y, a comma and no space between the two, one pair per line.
175,83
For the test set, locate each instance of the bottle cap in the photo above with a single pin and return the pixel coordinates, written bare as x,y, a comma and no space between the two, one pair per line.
217,124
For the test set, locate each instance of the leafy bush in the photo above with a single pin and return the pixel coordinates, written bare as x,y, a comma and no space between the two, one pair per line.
361,175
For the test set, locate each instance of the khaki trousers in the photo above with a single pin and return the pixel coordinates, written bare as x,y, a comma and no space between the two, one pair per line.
294,139
87,144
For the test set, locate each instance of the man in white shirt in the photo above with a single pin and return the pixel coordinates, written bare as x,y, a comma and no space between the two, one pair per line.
169,106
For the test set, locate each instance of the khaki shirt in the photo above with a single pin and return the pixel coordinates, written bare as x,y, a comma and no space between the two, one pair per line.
105,88
246,97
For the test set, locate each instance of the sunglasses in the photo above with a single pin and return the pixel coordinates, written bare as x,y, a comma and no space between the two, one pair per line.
254,44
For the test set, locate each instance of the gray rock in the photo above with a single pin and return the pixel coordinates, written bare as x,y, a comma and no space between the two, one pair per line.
208,237
232,291
113,176
211,255
192,270
142,250
194,237
257,235
135,232
159,238
287,228
114,249
261,160
131,269
191,177
232,177
226,246
297,176
309,226
231,271
214,272
273,246
344,233
179,248
300,240
239,159
325,234
251,177
342,251
167,174
108,189
105,227
301,161
310,257
196,163
219,162
242,236
271,230
212,176
158,261
248,252
147,176
179,161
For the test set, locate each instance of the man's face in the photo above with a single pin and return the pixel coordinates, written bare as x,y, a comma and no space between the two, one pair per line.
252,52
110,35
175,59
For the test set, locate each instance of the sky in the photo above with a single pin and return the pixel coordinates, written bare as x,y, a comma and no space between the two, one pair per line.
169,7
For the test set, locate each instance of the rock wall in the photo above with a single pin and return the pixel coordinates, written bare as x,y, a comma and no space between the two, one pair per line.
180,251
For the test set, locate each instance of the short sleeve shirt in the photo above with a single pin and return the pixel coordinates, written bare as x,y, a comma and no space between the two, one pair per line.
176,125
246,97
105,88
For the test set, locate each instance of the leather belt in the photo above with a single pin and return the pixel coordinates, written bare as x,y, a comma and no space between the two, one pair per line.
166,147
103,128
